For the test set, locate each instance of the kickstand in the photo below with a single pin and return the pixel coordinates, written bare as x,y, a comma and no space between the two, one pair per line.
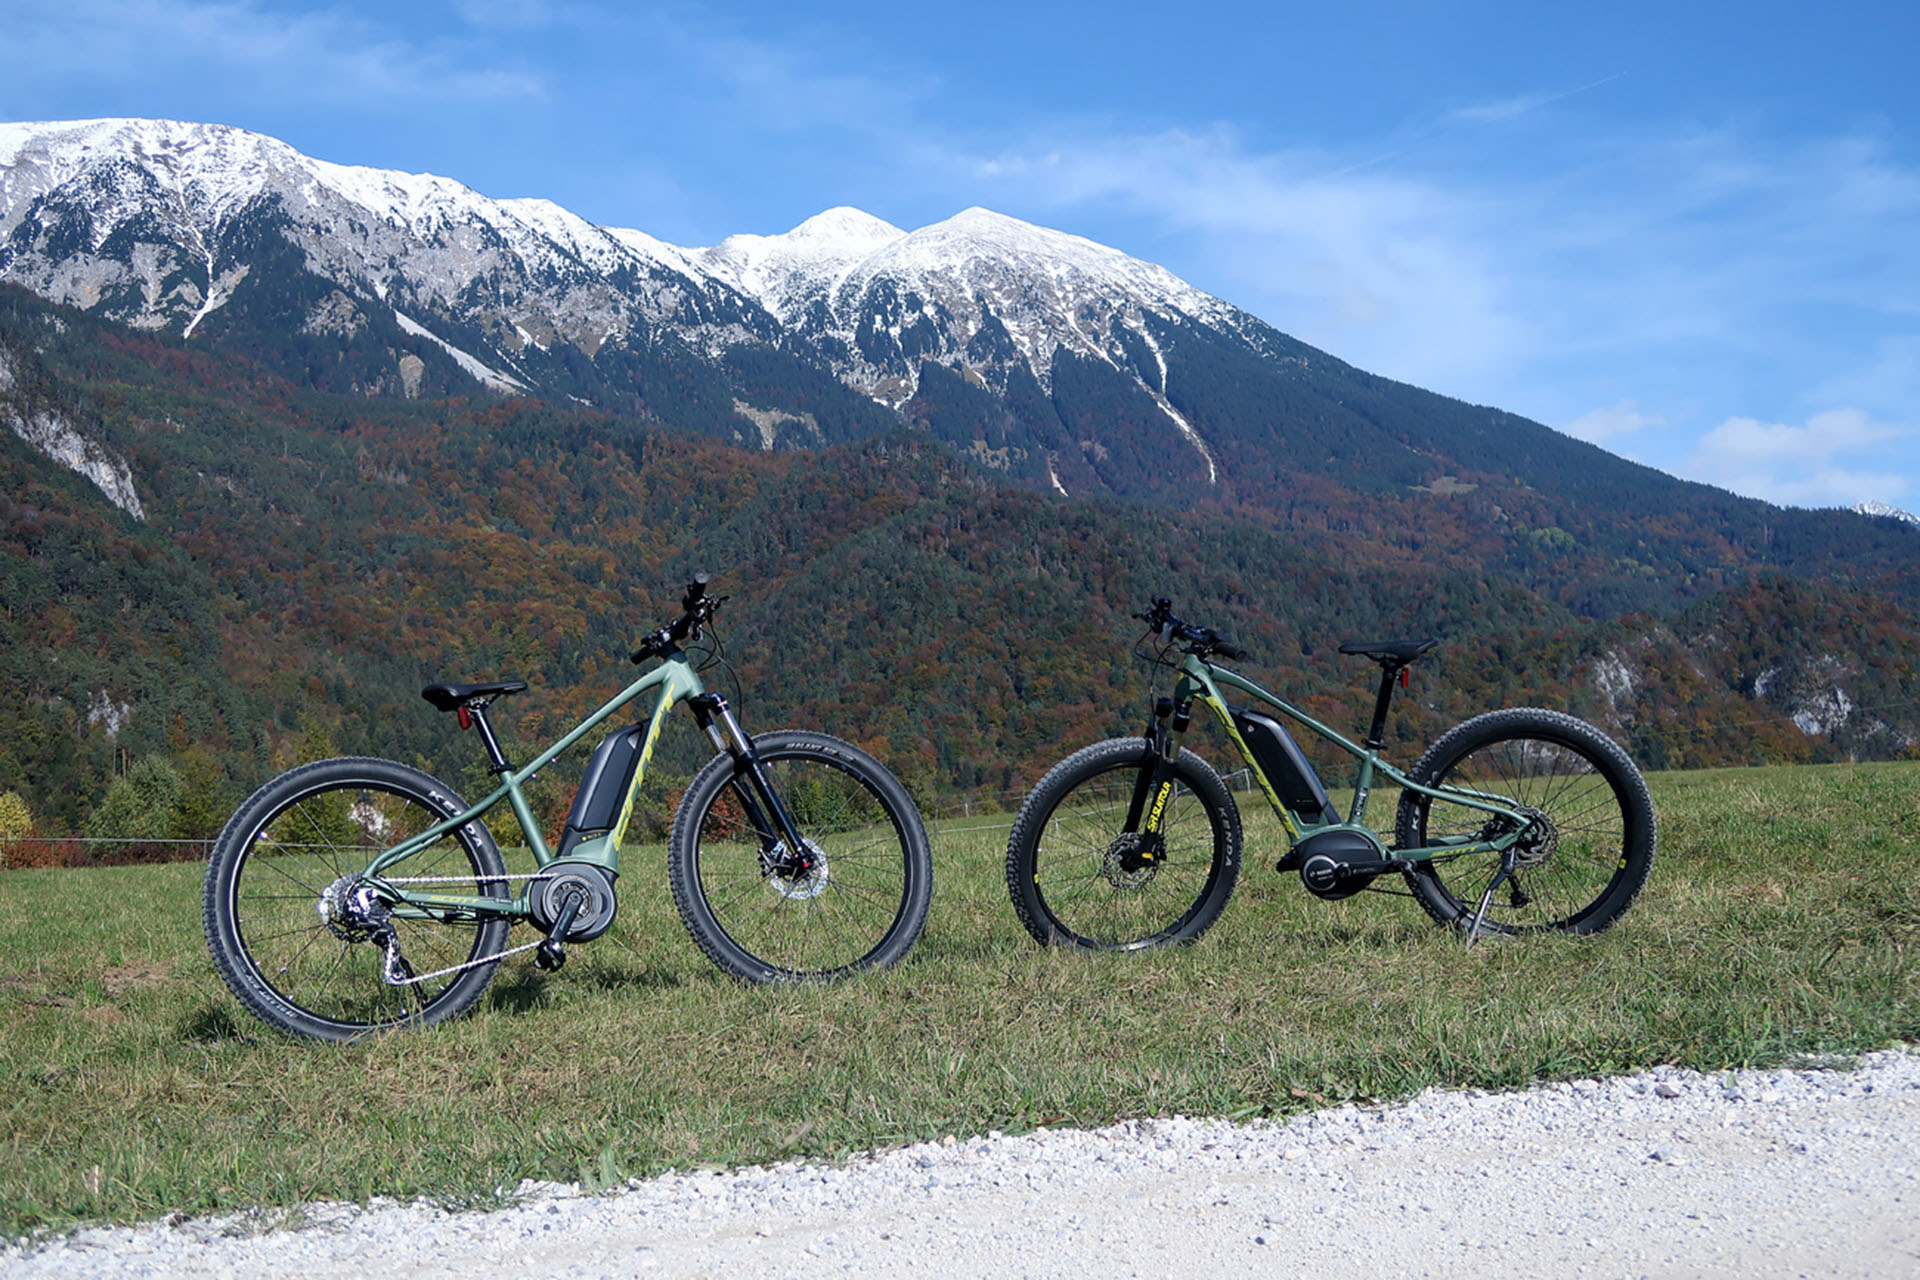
1508,861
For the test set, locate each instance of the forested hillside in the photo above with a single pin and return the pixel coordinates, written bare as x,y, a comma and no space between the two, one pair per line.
302,563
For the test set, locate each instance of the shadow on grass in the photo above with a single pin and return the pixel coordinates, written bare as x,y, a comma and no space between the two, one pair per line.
212,1024
527,989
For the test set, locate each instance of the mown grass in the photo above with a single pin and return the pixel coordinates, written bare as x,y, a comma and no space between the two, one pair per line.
1782,920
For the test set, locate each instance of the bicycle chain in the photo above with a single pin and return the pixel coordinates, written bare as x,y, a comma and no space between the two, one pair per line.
390,969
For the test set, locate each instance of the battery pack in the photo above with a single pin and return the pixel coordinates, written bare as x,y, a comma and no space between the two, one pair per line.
603,788
1279,757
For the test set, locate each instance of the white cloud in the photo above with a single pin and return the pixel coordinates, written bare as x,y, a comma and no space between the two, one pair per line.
509,14
315,55
1604,426
1503,109
1387,271
816,84
1674,275
1827,461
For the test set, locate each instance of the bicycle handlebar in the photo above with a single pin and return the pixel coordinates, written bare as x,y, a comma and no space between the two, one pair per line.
1199,640
697,608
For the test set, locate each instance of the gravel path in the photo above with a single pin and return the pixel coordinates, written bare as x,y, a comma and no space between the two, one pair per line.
1670,1173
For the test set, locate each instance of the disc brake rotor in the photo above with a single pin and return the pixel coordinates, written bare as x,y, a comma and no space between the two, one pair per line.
1132,860
798,877
1539,842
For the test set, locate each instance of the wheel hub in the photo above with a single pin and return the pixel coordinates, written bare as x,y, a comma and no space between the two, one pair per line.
804,876
1538,842
1133,859
1539,838
352,911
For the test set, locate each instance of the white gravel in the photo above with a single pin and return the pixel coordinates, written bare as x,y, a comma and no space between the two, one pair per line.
1669,1173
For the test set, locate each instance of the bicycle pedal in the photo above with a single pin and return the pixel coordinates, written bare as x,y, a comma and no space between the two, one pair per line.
550,955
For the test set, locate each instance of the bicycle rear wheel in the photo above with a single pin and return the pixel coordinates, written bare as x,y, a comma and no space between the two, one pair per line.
1590,841
1076,877
285,933
853,897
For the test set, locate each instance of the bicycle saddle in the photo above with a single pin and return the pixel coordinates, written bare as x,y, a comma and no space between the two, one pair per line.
448,697
1390,653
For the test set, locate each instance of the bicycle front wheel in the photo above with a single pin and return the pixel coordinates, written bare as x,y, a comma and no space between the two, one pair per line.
853,895
1077,877
1589,843
293,943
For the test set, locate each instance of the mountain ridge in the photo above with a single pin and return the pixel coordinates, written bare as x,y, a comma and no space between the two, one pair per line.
307,561
1062,364
218,172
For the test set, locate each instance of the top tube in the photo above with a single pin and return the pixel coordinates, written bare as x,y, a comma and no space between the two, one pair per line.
678,681
1210,678
676,673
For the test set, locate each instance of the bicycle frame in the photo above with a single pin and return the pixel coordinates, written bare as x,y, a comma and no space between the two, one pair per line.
677,682
1204,681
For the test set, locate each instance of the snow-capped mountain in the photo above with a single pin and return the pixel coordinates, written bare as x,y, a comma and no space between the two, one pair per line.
413,284
980,291
838,275
1066,364
162,224
1875,507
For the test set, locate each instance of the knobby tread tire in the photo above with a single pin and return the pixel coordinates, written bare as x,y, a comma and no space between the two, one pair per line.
1518,732
866,912
258,982
1101,776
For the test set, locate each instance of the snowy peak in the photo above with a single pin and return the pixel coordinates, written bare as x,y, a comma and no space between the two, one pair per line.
847,226
57,152
976,240
165,225
219,170
1875,507
416,285
786,271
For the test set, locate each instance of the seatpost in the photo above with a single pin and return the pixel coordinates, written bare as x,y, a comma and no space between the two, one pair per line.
495,756
1389,673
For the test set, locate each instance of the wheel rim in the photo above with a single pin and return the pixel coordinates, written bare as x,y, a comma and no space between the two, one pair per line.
828,909
296,945
1574,847
1088,874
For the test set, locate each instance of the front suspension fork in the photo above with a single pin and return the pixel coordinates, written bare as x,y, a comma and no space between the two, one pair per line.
1153,785
764,808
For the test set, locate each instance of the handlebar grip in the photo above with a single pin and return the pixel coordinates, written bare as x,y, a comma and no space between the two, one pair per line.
649,647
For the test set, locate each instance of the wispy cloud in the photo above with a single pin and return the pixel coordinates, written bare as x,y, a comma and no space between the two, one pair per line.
1381,267
1827,461
118,46
804,84
1611,425
1684,279
513,15
1500,110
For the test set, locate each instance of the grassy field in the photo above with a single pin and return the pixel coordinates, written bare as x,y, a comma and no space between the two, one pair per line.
1782,920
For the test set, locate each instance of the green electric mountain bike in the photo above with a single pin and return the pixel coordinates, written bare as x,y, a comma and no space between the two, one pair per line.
1514,821
357,895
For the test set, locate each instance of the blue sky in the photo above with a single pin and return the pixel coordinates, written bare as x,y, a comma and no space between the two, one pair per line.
1690,233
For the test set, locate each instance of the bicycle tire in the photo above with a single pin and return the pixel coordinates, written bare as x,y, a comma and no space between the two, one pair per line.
1597,846
861,906
1063,870
306,830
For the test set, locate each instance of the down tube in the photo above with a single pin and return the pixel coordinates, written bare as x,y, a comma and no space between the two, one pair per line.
680,683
